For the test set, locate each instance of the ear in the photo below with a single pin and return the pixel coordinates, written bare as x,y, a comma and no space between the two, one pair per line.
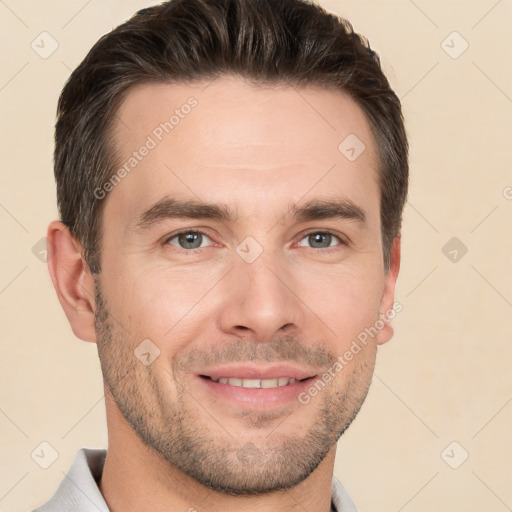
72,280
388,308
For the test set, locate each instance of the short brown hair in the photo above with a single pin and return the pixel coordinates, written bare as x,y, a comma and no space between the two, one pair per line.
289,42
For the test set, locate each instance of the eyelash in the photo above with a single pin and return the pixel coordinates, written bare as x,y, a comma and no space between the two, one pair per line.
200,249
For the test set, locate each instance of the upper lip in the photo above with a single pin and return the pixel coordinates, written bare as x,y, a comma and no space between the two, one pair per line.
258,372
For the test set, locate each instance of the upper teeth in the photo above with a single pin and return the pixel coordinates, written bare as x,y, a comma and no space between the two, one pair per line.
255,383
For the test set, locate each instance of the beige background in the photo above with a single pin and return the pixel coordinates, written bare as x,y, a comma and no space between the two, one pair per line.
446,374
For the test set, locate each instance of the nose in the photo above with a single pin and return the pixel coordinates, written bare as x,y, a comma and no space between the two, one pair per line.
261,301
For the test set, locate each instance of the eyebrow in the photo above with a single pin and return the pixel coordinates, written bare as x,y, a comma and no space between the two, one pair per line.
169,208
315,209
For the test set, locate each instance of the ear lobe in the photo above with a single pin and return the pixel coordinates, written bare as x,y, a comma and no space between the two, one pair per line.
387,303
72,280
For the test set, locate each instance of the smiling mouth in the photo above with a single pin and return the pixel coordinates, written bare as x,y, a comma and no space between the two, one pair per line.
256,383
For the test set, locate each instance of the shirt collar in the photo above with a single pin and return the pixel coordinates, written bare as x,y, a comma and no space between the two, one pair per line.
79,490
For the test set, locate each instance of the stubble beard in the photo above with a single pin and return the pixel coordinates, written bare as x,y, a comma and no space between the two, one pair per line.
167,419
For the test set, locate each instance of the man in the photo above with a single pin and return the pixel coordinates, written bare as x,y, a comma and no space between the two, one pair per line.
231,176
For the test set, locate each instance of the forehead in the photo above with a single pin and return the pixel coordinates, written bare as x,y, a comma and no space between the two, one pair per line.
233,142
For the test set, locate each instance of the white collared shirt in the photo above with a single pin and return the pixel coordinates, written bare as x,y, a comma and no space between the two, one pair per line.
79,490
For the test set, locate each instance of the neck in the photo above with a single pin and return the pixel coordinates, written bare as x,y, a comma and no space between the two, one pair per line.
135,477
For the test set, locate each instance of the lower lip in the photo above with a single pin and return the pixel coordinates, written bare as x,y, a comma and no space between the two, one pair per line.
257,396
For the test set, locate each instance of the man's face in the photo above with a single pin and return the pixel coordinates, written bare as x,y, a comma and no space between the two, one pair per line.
276,292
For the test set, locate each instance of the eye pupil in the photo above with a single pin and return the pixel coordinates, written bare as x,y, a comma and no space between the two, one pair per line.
194,239
190,238
317,237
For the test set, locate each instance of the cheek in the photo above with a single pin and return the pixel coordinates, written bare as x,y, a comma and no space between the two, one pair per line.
164,303
347,304
156,303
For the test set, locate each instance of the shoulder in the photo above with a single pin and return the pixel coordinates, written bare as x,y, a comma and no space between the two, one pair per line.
78,491
340,497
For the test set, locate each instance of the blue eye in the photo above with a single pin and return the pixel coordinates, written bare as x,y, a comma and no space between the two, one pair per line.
192,240
322,238
188,239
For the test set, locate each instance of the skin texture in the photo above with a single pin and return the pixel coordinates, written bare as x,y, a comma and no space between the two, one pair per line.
173,444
